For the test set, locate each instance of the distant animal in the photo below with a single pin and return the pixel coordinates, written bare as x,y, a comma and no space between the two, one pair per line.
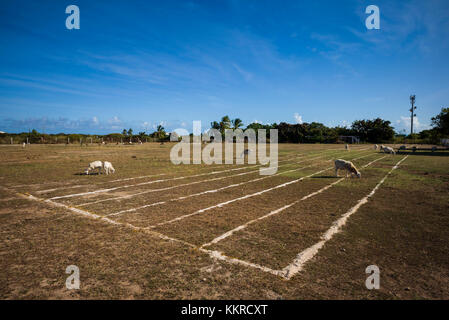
376,147
347,147
23,145
389,150
245,152
94,165
108,168
348,166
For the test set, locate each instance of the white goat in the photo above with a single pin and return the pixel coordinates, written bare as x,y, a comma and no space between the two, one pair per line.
389,150
376,147
108,168
348,166
94,165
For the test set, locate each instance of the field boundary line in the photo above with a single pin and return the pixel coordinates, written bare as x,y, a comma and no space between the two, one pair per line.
199,193
98,183
217,255
131,178
67,185
304,256
156,181
189,183
222,204
172,187
99,217
276,211
194,194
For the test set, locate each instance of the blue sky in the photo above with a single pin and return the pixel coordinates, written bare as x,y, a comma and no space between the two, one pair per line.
140,63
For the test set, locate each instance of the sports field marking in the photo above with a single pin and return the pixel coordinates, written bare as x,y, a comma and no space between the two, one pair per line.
168,188
222,204
98,217
194,194
303,257
286,273
192,183
182,185
217,255
98,183
67,184
199,193
142,183
274,212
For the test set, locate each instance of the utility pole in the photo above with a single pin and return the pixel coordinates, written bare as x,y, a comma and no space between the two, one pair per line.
412,110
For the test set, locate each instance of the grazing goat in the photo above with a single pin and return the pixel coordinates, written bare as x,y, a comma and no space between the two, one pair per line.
348,166
389,150
108,168
94,165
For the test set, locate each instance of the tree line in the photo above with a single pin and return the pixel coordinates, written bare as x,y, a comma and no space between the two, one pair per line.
371,131
126,136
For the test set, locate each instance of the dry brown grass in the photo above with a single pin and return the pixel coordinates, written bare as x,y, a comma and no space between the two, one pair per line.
403,229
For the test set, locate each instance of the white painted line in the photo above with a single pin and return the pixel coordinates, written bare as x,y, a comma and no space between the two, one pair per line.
107,220
195,194
163,180
222,204
142,183
98,183
200,193
274,212
303,257
188,184
216,255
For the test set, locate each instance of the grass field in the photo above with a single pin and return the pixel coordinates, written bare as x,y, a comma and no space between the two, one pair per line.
154,230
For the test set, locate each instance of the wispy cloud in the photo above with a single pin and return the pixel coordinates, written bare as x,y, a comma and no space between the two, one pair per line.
298,118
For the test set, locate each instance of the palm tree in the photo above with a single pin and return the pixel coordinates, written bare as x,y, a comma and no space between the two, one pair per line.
237,123
215,125
160,131
225,123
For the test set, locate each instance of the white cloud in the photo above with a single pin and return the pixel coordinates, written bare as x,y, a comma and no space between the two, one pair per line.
404,124
115,120
298,118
